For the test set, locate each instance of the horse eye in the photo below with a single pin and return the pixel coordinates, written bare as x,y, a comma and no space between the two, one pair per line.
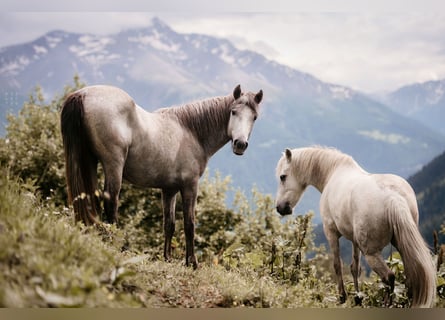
283,177
254,118
233,113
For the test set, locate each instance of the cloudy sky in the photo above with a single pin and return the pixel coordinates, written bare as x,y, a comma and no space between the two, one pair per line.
369,49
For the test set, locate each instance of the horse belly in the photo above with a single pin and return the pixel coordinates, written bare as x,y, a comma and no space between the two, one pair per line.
151,168
370,228
165,159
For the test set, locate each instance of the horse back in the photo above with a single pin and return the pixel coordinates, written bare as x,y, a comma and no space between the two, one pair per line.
354,199
393,185
108,116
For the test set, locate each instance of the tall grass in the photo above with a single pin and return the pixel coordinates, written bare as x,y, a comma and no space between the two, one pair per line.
48,261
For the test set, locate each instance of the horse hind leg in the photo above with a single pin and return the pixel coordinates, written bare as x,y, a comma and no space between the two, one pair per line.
113,184
94,186
379,266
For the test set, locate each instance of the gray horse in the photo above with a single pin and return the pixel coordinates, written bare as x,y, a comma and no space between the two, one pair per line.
167,149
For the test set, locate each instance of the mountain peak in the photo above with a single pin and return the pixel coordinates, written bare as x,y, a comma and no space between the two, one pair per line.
421,101
159,67
159,24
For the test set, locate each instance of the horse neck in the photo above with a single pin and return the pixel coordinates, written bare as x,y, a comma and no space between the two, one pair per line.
318,166
208,121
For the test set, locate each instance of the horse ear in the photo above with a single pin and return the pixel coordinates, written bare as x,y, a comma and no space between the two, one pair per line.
237,92
288,154
259,96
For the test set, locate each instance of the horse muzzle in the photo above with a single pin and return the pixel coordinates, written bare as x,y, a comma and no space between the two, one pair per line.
284,209
239,146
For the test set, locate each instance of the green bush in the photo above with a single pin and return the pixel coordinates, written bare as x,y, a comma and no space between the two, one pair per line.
32,148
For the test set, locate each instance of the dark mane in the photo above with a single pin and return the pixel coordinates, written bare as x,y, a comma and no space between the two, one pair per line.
204,118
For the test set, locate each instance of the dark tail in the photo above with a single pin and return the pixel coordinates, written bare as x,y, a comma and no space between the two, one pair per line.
80,163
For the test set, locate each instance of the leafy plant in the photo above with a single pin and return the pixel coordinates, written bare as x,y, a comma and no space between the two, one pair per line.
32,148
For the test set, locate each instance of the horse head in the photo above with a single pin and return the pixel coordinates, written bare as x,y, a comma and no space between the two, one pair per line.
290,188
243,113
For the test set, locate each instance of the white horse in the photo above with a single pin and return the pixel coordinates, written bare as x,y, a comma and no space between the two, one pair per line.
371,210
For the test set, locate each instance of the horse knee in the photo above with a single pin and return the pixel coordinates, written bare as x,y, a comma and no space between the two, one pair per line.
353,269
169,228
356,269
110,208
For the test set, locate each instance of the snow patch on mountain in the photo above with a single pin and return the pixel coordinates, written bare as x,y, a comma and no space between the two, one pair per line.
90,45
40,50
223,51
53,41
436,94
340,93
13,68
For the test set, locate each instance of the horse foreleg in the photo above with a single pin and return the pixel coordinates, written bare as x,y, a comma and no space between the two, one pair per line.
188,203
355,270
335,247
168,205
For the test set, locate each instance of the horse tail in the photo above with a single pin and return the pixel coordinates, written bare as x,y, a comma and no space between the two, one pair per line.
417,259
80,163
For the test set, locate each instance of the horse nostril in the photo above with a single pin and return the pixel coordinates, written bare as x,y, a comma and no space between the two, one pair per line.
284,209
240,144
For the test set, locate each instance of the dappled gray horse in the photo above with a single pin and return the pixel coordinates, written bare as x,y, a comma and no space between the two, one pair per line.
167,149
371,210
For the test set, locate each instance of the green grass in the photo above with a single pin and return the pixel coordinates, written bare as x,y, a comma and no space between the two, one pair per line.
48,261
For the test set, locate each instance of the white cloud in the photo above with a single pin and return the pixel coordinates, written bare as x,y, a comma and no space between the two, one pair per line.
366,51
369,52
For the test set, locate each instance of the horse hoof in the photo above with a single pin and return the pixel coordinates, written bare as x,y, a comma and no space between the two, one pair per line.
358,299
192,261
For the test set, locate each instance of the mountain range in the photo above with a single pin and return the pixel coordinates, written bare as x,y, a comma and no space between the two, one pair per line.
429,185
424,102
160,67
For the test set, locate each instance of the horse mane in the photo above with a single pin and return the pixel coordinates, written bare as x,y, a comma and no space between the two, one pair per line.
316,163
203,118
206,117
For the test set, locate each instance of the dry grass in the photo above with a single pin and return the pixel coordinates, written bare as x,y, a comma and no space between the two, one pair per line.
47,261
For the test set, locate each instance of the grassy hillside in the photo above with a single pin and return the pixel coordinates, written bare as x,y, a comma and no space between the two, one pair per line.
248,256
46,260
